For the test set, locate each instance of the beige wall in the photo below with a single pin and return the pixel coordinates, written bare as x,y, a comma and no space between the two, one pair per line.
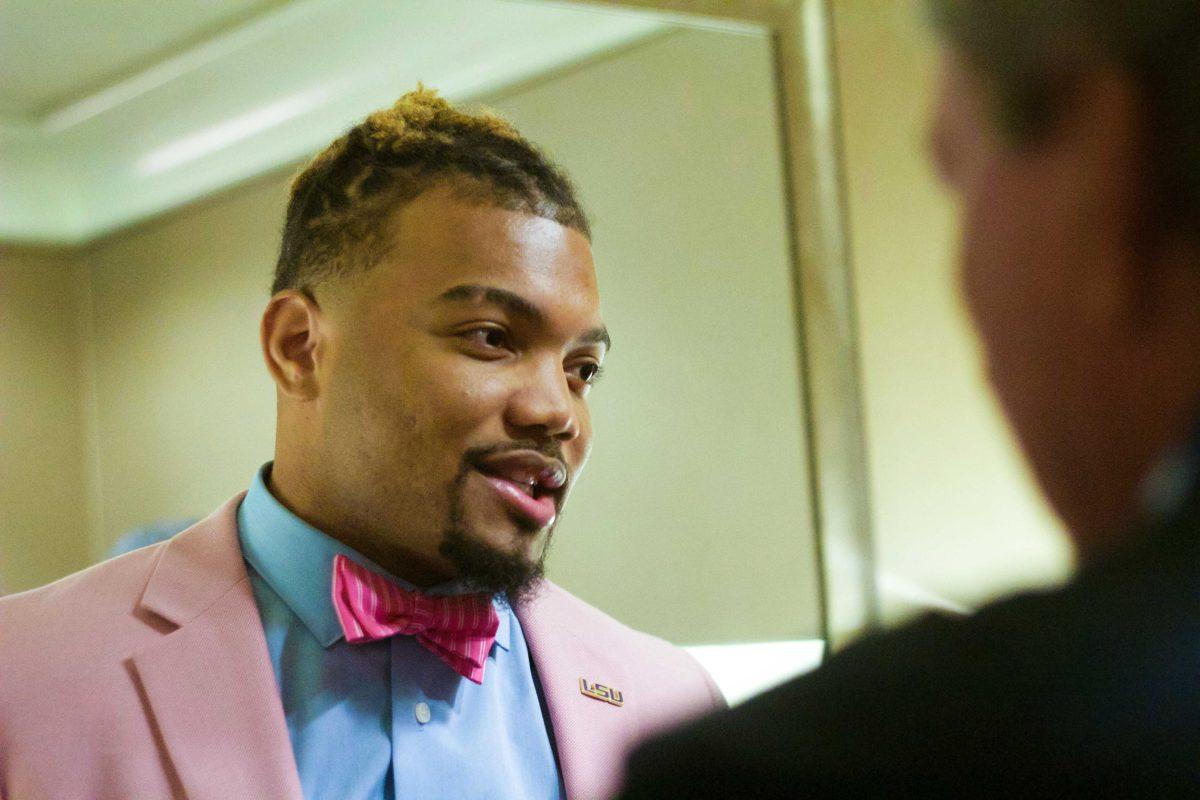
43,499
185,409
696,494
956,514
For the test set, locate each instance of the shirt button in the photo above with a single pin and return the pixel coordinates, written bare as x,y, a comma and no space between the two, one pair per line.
422,712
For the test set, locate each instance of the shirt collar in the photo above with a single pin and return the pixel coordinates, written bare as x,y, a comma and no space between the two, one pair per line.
296,561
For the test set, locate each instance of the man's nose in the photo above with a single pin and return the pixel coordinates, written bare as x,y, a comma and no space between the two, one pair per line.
543,406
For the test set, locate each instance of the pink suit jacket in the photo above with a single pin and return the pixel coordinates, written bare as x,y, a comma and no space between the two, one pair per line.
148,677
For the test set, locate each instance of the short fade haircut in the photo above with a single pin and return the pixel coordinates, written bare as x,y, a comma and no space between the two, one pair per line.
340,203
1025,51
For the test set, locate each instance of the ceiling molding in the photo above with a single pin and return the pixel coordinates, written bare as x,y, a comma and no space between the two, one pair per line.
268,93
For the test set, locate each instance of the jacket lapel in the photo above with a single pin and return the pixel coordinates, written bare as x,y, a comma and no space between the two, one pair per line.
591,734
208,684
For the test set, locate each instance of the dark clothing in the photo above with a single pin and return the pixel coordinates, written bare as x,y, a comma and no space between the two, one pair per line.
1091,690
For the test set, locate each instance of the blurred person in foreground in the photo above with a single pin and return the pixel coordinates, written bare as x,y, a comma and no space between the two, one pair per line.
1069,132
370,620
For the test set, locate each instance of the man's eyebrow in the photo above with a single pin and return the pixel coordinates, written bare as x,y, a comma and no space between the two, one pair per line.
597,336
516,305
511,302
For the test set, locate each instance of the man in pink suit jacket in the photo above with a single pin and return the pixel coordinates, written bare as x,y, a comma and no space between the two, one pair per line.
433,334
147,677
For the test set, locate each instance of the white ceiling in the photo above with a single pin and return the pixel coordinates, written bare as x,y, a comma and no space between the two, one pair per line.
114,110
55,51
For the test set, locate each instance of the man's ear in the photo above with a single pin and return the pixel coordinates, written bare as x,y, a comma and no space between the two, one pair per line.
289,334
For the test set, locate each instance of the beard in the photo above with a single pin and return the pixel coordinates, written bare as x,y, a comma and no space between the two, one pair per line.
480,567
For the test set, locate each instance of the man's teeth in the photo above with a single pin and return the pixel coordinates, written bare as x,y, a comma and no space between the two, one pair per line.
528,485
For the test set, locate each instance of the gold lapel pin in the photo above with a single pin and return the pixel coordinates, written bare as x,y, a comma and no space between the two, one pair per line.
598,691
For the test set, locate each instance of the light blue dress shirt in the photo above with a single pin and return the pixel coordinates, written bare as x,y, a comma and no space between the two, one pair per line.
386,719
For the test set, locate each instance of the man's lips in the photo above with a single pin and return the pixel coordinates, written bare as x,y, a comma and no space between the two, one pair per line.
527,481
539,510
526,467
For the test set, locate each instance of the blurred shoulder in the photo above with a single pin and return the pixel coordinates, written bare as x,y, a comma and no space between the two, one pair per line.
1013,694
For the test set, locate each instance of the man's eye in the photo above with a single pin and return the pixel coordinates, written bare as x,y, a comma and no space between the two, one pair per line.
589,372
491,338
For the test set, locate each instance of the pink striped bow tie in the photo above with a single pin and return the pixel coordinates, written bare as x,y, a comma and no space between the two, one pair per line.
458,629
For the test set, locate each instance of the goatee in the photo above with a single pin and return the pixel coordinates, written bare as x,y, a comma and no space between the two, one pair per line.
480,567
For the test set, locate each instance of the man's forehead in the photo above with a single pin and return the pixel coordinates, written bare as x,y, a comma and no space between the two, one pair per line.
442,218
438,236
958,123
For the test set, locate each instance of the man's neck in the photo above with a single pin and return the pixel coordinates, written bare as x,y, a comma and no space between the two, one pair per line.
293,492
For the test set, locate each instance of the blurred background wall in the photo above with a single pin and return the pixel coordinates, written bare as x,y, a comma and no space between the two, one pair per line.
43,502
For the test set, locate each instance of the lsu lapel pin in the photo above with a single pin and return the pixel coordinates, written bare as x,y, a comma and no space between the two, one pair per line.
598,691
